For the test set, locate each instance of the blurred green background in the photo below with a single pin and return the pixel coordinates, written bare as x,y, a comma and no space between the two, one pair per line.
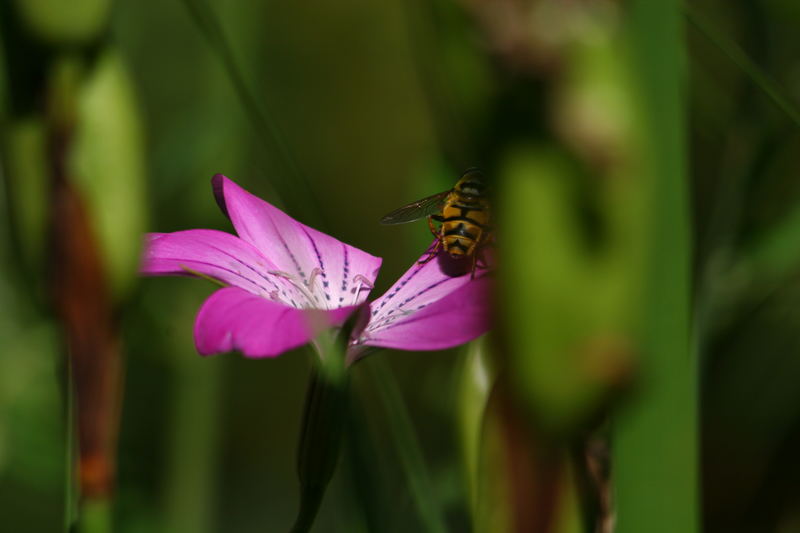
342,112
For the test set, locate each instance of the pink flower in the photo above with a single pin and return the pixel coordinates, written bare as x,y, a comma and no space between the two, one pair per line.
286,280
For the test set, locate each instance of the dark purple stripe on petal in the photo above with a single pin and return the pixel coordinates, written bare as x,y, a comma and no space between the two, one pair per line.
218,186
316,250
400,286
383,320
280,239
423,291
246,265
346,270
234,272
208,252
454,318
293,258
285,245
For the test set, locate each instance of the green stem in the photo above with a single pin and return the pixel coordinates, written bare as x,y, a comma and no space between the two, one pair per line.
322,429
70,492
656,438
95,516
408,448
320,441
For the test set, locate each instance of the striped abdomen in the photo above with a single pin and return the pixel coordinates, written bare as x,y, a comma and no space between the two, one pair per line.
464,224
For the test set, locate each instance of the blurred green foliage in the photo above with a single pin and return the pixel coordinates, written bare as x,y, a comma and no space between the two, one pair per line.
108,165
62,23
380,104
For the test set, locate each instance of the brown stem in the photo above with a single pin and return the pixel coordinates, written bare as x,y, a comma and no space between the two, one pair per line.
82,301
534,468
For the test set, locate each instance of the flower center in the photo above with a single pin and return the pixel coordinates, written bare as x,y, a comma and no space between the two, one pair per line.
312,293
305,289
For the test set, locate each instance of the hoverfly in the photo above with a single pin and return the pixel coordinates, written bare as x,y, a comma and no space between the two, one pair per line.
463,213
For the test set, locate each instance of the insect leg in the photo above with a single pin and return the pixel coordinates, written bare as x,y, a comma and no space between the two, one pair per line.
434,231
480,254
431,252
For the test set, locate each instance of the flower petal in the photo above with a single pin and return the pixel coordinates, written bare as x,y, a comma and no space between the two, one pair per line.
458,317
216,254
431,309
422,284
235,319
345,273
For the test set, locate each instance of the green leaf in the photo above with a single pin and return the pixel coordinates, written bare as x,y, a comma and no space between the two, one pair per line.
655,441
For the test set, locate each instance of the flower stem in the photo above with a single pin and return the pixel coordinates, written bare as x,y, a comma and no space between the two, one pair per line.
322,428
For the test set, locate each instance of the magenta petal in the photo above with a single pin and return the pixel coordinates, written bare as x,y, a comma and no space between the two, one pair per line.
344,273
219,255
422,284
430,309
456,318
235,319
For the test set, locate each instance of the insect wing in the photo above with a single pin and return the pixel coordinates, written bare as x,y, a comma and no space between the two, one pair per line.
416,210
